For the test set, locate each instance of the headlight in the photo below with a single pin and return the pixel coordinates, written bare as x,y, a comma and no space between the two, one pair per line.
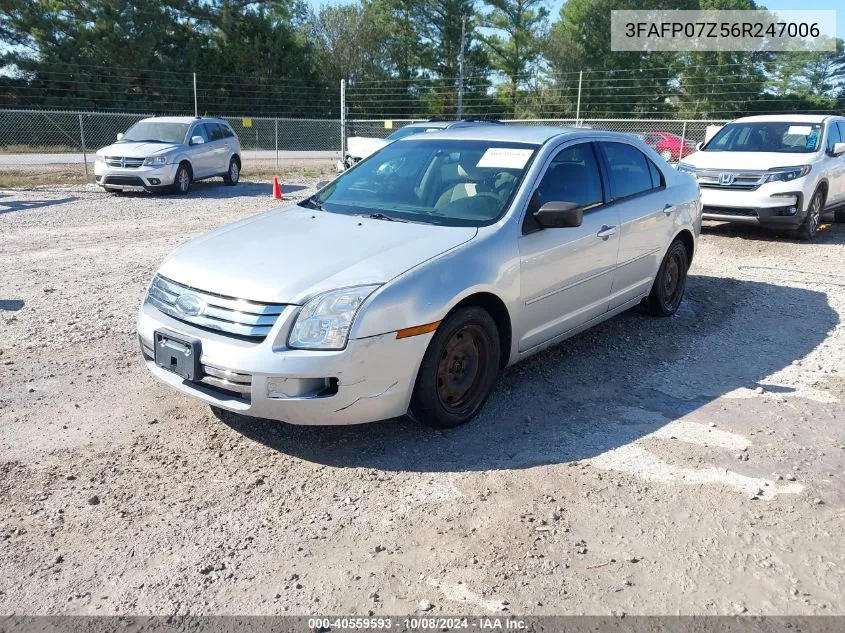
155,160
785,174
686,168
324,322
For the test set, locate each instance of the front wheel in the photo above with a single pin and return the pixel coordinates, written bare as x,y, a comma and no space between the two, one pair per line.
667,155
458,370
667,292
810,226
232,176
182,182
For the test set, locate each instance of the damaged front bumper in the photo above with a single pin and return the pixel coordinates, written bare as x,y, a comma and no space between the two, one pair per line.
372,379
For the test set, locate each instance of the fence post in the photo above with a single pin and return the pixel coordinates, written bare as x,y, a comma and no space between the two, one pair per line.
196,110
82,139
683,140
276,121
343,121
578,107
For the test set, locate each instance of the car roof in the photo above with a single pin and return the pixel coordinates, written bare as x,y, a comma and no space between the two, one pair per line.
183,119
791,118
531,134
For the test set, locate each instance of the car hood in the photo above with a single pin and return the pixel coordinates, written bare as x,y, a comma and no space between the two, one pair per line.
363,146
292,253
132,149
746,160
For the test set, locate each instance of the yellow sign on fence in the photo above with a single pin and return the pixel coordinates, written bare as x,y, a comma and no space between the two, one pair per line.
246,122
388,125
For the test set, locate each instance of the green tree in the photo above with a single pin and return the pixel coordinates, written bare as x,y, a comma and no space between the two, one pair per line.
517,43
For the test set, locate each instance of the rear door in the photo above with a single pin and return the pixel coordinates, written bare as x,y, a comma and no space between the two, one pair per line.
566,274
638,193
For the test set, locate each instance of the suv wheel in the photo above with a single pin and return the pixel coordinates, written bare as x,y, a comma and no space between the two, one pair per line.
667,292
458,370
232,176
182,182
810,226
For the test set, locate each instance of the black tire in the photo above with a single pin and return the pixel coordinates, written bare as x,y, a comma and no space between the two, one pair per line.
458,370
810,226
233,174
182,181
667,292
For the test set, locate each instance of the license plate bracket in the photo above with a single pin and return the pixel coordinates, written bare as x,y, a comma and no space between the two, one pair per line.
177,354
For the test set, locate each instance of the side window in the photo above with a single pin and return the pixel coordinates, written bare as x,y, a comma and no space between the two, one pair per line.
834,135
227,131
199,130
572,176
213,130
630,170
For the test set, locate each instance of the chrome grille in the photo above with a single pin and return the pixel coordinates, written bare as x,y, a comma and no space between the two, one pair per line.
740,181
229,315
124,161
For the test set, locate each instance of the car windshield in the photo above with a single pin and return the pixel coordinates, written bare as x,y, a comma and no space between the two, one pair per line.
770,136
435,181
156,132
402,132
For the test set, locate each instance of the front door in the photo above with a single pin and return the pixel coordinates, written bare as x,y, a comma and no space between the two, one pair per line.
201,154
566,273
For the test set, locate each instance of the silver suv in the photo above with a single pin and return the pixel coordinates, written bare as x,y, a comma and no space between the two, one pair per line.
170,153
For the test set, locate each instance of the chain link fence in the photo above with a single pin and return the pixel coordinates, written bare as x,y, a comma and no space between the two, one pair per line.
34,138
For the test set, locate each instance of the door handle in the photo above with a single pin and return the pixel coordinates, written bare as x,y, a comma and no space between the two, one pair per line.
668,209
606,232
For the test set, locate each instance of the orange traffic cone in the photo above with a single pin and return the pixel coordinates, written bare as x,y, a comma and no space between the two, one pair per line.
277,190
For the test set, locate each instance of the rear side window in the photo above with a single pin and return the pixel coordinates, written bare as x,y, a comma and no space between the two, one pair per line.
572,176
630,170
215,132
226,131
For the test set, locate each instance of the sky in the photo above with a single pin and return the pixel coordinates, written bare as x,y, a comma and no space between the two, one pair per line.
820,5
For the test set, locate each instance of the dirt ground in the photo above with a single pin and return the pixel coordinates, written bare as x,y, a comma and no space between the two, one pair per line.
691,465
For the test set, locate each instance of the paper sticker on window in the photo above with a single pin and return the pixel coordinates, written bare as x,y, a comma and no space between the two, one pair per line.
505,158
812,139
799,130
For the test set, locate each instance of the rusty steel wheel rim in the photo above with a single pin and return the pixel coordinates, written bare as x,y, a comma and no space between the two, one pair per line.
461,369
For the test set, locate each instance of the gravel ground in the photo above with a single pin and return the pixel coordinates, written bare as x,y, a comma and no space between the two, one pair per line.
691,465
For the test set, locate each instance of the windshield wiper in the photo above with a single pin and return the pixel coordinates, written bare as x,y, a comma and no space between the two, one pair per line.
146,140
382,216
310,203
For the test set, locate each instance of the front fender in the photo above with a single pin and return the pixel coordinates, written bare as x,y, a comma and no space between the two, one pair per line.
426,294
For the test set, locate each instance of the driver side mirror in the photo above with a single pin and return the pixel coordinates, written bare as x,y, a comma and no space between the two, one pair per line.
120,136
838,149
556,215
698,146
197,140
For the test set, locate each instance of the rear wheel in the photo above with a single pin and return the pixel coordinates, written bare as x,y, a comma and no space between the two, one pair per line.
670,283
182,182
458,370
233,175
810,226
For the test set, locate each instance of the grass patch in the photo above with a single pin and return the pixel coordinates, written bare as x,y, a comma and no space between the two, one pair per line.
12,178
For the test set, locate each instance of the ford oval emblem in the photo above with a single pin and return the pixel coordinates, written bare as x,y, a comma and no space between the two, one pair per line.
190,305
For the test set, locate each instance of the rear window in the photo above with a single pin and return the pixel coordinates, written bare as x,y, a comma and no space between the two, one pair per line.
767,136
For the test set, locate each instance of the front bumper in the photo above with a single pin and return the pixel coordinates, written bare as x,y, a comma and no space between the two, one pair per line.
372,379
147,177
765,206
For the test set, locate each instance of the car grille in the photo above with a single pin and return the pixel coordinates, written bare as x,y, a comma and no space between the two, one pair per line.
124,161
736,211
226,381
742,180
229,315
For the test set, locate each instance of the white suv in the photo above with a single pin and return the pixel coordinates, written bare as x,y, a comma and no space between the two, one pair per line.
778,171
170,153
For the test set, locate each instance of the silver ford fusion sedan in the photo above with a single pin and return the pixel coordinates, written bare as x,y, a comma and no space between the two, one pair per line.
408,282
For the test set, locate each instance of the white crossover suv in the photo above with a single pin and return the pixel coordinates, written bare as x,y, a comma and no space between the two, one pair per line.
408,282
777,171
169,153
